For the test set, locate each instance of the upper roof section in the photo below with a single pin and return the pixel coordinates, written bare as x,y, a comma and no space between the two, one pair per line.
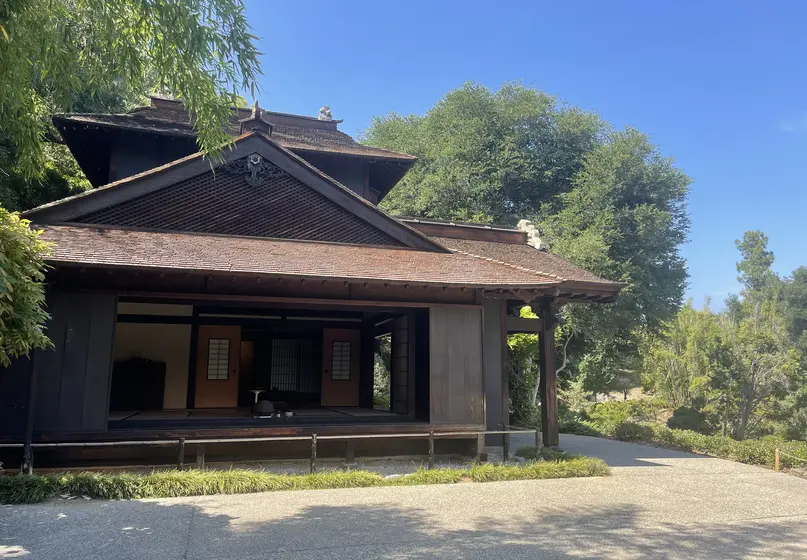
169,118
261,189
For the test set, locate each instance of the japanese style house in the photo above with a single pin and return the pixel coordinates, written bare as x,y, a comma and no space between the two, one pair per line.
182,292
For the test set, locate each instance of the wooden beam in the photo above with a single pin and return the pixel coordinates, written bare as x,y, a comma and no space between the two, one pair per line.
524,325
297,301
549,376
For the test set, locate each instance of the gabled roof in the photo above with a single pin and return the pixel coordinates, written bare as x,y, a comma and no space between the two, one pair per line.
91,202
295,132
136,249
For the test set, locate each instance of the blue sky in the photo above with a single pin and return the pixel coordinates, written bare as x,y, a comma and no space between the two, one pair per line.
720,87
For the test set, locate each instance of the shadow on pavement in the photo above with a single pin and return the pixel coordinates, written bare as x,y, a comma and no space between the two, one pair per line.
172,529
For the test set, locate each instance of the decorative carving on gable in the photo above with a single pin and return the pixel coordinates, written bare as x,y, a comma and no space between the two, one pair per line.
257,169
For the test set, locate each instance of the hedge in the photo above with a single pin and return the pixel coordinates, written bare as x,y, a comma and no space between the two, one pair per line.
751,452
20,489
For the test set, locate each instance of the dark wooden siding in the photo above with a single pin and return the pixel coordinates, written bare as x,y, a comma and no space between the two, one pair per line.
455,350
73,377
495,344
14,382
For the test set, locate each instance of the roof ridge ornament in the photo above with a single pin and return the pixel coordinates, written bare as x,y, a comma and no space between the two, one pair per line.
325,113
534,234
255,122
258,170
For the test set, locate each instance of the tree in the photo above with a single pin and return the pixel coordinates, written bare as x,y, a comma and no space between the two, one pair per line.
762,366
199,50
687,353
60,175
754,269
486,156
624,218
22,293
607,201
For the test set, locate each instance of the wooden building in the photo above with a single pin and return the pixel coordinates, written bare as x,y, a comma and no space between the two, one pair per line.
183,293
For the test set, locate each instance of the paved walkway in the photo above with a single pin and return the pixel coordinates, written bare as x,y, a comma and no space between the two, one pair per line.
659,504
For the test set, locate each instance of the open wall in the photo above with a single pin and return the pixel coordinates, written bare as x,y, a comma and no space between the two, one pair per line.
165,343
169,344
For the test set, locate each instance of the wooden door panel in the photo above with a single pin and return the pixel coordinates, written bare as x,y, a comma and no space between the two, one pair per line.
340,376
219,347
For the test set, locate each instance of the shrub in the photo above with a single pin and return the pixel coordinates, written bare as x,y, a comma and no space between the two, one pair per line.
687,418
632,431
546,454
20,489
580,428
608,415
752,452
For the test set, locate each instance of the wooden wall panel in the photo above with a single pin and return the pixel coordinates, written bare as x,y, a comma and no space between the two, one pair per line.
74,376
99,363
74,362
456,371
14,386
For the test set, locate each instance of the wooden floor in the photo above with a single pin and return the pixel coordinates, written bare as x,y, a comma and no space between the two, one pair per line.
235,419
223,413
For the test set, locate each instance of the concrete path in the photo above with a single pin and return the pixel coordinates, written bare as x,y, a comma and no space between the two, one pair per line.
659,504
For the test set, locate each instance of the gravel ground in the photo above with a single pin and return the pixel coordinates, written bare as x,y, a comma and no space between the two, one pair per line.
659,504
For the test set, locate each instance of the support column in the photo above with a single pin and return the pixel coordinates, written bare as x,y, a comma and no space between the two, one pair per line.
367,356
495,362
548,387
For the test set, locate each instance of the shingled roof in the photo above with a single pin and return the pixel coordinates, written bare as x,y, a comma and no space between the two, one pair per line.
295,132
118,247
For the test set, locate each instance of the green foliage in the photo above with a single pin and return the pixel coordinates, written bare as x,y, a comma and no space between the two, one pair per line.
574,425
199,50
688,418
487,156
607,201
752,452
679,363
382,366
545,454
22,293
754,269
624,219
633,431
608,415
21,489
742,371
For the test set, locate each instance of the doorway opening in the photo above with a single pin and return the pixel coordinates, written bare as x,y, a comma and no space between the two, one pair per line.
382,372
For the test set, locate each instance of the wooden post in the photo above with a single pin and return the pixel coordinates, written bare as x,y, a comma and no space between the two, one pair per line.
313,453
27,466
431,449
505,443
181,454
200,456
350,453
776,461
549,376
480,448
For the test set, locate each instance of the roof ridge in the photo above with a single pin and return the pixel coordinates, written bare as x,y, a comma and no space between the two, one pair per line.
511,265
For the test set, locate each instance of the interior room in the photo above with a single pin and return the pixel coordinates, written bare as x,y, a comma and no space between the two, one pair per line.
199,365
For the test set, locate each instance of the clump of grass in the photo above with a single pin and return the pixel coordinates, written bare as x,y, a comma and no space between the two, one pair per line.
546,454
20,489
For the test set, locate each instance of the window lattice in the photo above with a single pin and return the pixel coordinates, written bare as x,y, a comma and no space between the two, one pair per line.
225,204
340,361
285,364
218,358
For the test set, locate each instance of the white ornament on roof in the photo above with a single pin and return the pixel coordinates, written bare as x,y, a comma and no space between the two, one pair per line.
325,113
534,234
